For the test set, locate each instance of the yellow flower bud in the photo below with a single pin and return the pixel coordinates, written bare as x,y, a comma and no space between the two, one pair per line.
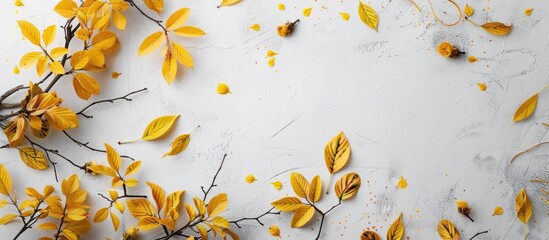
274,231
446,49
287,28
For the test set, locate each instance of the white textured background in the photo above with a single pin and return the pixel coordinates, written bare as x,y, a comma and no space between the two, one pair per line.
405,109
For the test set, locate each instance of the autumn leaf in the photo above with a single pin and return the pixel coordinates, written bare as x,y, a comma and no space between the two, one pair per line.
140,208
367,15
447,230
178,18
5,181
155,5
347,186
277,185
30,32
61,118
188,31
157,128
101,215
526,109
302,216
468,10
402,183
158,195
85,85
287,204
496,28
396,231
179,145
182,55
151,43
274,231
300,185
523,206
345,16
223,89
498,210
7,218
48,35
307,11
336,154
217,205
250,179
228,3
33,158
256,27
119,20
169,68
528,11
370,235
315,189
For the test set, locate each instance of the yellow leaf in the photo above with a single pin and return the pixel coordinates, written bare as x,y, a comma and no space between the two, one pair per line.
281,7
48,36
402,183
200,206
151,43
115,75
523,207
482,86
68,234
396,231
29,31
370,235
528,11
191,213
271,53
119,20
29,59
307,12
79,227
101,215
496,28
155,5
302,216
33,158
182,55
277,185
347,186
58,52
250,179
105,41
498,211
156,128
70,185
113,158
274,231
287,204
203,232
228,3
271,62
140,208
19,3
468,10
315,189
179,145
120,206
256,27
66,8
102,169
169,68
41,65
158,194
5,181
178,18
217,204
447,230
80,59
172,205
223,89
131,182
368,15
336,154
300,185
526,109
7,218
472,59
115,221
61,118
15,131
220,222
57,68
188,31
48,226
345,16
132,168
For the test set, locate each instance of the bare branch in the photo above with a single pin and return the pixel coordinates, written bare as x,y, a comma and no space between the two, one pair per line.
125,97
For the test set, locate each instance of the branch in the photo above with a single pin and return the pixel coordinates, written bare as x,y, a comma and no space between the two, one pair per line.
69,35
55,152
478,234
11,92
132,3
86,145
125,97
213,180
270,212
323,214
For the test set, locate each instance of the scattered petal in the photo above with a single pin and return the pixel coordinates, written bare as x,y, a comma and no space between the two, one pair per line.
19,3
274,231
402,183
271,62
16,70
256,27
498,211
277,185
223,89
307,12
482,86
468,11
528,11
345,16
271,53
447,50
250,178
281,7
472,59
115,75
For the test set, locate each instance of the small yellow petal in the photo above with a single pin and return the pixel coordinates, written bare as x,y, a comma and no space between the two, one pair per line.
250,178
281,7
16,70
271,53
402,183
277,185
468,11
19,3
255,27
274,231
271,62
223,89
482,86
307,11
528,11
345,16
498,211
472,59
115,75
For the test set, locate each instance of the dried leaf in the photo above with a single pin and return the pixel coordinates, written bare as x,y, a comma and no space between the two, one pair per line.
528,11
281,6
287,204
368,15
277,185
33,158
61,118
482,86
271,53
315,189
345,16
347,186
300,185
402,183
472,59
115,75
498,210
5,181
179,145
19,3
140,208
396,231
250,179
157,128
307,12
447,230
223,89
497,28
274,231
228,3
370,235
271,62
523,207
526,109
256,27
302,216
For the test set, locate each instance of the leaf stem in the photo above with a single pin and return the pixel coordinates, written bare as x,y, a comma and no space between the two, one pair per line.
329,183
527,150
442,22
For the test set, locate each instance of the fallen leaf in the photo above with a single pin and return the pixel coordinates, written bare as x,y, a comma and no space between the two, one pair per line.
336,154
271,53
497,28
157,128
250,179
274,231
468,10
370,235
33,158
179,145
472,59
498,211
223,89
523,206
281,7
526,109
307,12
256,27
447,230
16,70
345,16
482,86
228,3
271,62
396,231
115,75
402,183
19,3
528,11
368,15
277,185
347,186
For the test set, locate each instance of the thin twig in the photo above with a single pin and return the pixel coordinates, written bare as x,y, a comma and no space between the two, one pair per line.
270,212
213,180
125,97
478,234
527,150
86,145
55,152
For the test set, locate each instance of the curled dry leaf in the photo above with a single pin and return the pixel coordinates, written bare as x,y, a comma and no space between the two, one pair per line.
497,28
523,207
156,129
368,15
370,235
526,109
347,186
447,230
396,231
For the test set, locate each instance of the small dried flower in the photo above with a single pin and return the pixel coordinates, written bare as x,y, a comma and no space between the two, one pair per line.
446,49
130,234
287,28
464,209
250,178
482,86
274,231
87,167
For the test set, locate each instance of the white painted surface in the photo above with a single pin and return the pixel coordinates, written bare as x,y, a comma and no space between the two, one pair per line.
405,109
